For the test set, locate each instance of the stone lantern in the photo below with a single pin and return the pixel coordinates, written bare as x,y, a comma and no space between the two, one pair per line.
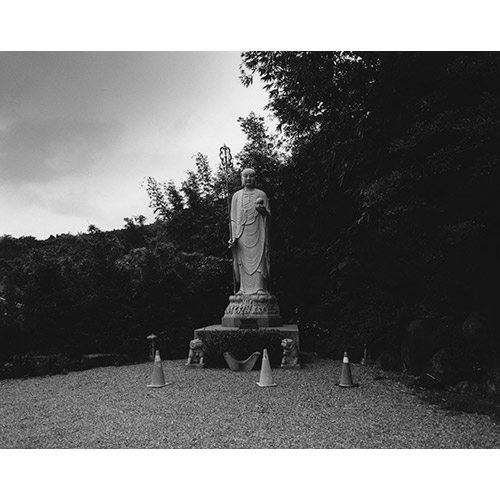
152,347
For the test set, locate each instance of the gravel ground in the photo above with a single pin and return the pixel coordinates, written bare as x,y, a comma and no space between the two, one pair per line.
112,407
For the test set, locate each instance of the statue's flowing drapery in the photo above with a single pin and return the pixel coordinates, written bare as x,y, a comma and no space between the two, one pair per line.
251,232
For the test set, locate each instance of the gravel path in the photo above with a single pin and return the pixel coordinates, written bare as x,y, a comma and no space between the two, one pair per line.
217,408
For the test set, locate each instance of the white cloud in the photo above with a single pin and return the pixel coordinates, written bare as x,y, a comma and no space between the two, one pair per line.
40,150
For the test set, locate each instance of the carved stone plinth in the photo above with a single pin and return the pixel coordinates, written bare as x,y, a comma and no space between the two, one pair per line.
260,309
214,332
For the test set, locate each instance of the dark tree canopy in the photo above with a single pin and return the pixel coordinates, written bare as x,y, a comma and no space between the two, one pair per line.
399,152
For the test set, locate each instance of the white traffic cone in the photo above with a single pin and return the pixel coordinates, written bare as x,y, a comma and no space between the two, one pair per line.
158,379
346,377
266,375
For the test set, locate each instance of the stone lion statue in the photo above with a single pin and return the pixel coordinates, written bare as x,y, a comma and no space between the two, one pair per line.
290,354
196,355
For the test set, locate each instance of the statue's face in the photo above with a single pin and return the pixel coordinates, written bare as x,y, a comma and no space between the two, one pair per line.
196,345
248,177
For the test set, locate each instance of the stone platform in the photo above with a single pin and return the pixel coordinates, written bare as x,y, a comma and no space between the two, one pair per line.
285,331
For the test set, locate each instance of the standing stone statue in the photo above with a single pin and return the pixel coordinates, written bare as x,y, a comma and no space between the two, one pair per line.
253,312
250,220
250,213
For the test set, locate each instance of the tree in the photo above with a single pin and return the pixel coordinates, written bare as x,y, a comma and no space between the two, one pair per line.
394,156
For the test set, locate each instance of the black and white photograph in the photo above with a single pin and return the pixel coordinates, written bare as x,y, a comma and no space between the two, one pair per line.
250,261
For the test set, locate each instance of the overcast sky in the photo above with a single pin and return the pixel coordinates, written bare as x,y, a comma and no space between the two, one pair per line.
79,131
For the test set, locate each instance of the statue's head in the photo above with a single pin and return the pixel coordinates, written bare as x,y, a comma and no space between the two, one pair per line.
288,345
196,345
248,177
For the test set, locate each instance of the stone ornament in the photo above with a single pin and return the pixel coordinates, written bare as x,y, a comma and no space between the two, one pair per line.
366,359
196,356
290,357
249,305
245,365
262,309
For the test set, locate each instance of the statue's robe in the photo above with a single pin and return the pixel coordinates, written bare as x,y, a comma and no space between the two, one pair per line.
251,250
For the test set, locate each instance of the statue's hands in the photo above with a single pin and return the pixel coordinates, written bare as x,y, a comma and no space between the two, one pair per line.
259,206
231,243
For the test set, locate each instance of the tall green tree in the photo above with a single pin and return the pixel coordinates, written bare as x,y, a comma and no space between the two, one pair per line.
394,163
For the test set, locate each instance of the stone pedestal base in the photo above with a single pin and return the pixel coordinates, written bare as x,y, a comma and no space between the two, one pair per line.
284,331
261,310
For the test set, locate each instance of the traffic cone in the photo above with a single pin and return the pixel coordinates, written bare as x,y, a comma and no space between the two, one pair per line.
346,377
158,377
266,375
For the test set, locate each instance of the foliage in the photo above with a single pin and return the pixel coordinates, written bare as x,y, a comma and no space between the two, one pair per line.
87,293
394,162
106,291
